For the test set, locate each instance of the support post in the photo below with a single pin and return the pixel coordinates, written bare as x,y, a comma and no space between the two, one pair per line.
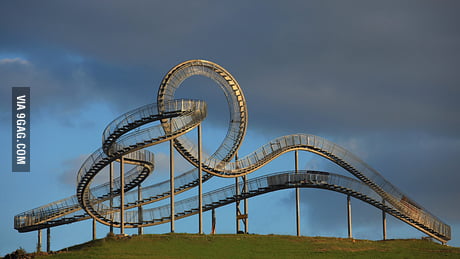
350,233
297,195
239,193
213,227
140,216
237,204
94,229
241,216
111,193
200,185
246,190
48,240
237,201
39,241
171,184
122,196
384,223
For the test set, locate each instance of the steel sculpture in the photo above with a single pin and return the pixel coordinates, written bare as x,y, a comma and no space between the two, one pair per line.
125,138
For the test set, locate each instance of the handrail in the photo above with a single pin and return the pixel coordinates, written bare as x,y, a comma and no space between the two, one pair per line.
128,135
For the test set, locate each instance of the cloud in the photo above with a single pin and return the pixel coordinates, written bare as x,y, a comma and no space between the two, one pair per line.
306,65
364,74
380,78
71,167
11,61
162,164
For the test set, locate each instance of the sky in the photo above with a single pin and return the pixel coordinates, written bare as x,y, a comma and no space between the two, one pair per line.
379,78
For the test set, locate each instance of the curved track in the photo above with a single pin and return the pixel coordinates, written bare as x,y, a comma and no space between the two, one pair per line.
128,135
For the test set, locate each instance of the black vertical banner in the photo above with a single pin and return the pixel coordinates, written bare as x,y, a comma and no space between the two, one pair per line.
20,128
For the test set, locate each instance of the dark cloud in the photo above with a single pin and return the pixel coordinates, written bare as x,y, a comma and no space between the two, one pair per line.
363,66
71,167
380,78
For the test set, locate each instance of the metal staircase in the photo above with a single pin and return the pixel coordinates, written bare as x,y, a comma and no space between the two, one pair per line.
128,135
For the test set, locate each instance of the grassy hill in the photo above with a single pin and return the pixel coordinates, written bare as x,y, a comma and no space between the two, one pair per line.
254,246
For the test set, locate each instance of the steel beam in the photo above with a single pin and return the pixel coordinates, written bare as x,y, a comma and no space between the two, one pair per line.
140,230
213,226
246,205
94,229
237,204
297,194
200,184
48,240
350,231
239,192
39,241
384,223
111,193
171,184
122,195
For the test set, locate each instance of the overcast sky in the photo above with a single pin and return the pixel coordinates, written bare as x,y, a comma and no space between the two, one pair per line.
379,78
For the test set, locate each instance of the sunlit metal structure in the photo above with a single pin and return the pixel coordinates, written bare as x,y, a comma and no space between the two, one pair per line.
124,141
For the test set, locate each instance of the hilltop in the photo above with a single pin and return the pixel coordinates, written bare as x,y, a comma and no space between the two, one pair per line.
253,246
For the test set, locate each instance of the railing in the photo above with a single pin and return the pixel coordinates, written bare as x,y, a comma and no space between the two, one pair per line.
130,133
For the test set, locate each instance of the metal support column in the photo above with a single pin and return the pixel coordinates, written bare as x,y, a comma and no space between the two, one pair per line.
111,192
200,185
171,184
246,190
237,204
384,223
39,241
213,226
140,216
122,196
48,240
240,216
297,195
94,229
350,233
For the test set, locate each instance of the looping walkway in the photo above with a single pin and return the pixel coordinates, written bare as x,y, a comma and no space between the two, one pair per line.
126,138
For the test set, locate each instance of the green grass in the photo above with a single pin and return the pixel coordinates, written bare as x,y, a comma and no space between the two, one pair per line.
254,246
